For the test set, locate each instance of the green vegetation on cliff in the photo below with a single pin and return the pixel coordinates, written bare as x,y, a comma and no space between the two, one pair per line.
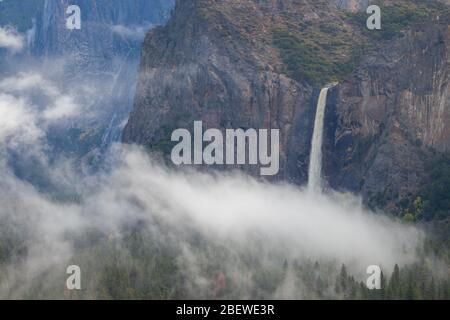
327,51
436,193
398,16
312,62
433,200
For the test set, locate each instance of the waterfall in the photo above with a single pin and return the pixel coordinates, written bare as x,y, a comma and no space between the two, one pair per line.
315,160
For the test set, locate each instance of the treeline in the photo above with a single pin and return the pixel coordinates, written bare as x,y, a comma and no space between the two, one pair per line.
157,262
410,283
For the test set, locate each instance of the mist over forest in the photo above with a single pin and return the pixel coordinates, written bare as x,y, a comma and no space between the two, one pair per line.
85,172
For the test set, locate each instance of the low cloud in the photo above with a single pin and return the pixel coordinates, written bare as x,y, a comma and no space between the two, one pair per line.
227,220
246,218
232,206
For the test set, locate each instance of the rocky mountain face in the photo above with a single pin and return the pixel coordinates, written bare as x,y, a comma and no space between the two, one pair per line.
352,5
215,61
260,64
393,116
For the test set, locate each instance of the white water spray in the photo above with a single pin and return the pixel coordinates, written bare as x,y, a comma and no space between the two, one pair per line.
315,160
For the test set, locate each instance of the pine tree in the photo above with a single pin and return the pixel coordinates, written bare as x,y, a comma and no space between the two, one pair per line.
343,278
394,290
431,294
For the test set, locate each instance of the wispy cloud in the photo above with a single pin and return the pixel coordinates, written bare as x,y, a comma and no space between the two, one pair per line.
22,120
17,121
131,32
11,40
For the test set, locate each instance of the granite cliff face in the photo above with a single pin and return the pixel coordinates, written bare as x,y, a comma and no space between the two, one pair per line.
215,61
393,116
260,64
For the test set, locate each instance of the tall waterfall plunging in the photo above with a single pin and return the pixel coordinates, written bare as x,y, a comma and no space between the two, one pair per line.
315,160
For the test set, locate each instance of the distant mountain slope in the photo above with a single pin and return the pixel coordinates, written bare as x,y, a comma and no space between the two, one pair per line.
104,55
